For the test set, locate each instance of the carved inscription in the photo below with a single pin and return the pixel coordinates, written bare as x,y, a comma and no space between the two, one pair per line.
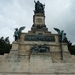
39,38
39,20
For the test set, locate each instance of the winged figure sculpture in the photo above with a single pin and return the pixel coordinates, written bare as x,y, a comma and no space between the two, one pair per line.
61,34
18,32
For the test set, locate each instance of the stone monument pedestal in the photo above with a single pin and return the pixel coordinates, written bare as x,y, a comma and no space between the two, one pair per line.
38,52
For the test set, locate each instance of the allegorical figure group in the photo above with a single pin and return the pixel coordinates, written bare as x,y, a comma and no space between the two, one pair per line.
39,7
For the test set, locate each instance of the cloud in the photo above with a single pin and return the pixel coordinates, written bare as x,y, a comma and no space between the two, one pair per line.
17,13
60,14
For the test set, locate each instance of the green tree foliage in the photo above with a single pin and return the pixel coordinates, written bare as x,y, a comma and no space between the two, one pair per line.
71,48
5,45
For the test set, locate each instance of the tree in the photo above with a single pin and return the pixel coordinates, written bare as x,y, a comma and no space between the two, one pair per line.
5,45
71,48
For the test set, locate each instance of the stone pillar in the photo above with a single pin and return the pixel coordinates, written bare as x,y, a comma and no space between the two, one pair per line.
66,53
57,39
39,23
39,19
13,55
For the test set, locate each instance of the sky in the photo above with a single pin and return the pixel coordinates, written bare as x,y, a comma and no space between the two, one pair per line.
17,13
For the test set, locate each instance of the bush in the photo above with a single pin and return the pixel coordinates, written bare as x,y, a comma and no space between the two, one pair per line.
5,45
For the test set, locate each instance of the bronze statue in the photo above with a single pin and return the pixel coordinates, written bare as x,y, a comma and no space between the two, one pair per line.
61,34
17,33
39,7
40,49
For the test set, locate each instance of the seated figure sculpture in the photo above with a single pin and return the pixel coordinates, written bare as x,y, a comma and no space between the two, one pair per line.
39,7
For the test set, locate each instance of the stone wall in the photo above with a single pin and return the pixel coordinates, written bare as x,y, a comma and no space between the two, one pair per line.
39,64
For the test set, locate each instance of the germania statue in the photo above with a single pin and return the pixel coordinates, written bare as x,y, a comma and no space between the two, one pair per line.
39,7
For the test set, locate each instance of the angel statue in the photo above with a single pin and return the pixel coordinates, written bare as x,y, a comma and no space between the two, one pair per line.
61,34
18,32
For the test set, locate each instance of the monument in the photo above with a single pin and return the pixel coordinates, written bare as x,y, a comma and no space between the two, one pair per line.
38,52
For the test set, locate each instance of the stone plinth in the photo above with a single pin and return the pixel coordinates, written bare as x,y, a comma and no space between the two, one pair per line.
15,45
39,19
